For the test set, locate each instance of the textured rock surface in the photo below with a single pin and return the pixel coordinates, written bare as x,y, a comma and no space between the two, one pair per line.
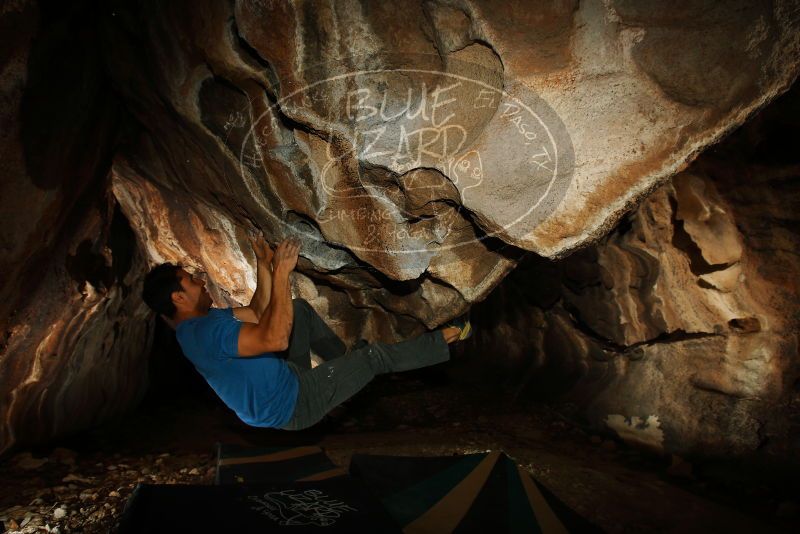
707,345
81,359
473,131
265,123
73,332
679,330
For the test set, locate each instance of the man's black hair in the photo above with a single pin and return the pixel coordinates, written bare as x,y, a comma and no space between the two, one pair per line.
159,284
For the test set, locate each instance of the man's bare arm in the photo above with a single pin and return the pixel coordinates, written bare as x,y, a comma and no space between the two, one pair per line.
264,255
271,333
245,314
258,303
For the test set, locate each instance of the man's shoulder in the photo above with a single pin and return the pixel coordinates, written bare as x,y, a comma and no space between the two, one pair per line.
220,312
214,314
215,330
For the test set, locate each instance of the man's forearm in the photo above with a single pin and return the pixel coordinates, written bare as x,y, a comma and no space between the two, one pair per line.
261,297
276,321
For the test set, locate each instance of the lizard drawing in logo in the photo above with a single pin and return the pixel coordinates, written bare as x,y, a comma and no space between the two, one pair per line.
300,508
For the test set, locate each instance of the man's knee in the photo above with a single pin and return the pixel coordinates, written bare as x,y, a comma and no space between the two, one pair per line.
378,358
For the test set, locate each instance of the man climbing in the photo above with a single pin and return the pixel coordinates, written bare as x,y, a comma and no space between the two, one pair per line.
257,357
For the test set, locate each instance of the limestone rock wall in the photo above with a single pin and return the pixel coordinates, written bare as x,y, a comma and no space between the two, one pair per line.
701,346
679,330
74,334
418,146
83,358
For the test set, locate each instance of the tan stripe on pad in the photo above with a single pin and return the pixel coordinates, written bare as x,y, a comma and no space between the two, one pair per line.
330,473
446,514
272,457
548,521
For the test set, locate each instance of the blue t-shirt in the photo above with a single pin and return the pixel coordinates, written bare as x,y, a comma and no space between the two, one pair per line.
262,390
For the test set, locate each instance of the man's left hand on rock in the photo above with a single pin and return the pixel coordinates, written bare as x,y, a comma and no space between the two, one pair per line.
261,248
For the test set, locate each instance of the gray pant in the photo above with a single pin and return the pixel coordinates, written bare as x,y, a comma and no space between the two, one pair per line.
343,375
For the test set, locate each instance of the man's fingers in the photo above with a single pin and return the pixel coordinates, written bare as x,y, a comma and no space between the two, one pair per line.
288,248
258,242
282,250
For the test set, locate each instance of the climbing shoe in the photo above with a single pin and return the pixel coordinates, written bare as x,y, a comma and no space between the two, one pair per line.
463,324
